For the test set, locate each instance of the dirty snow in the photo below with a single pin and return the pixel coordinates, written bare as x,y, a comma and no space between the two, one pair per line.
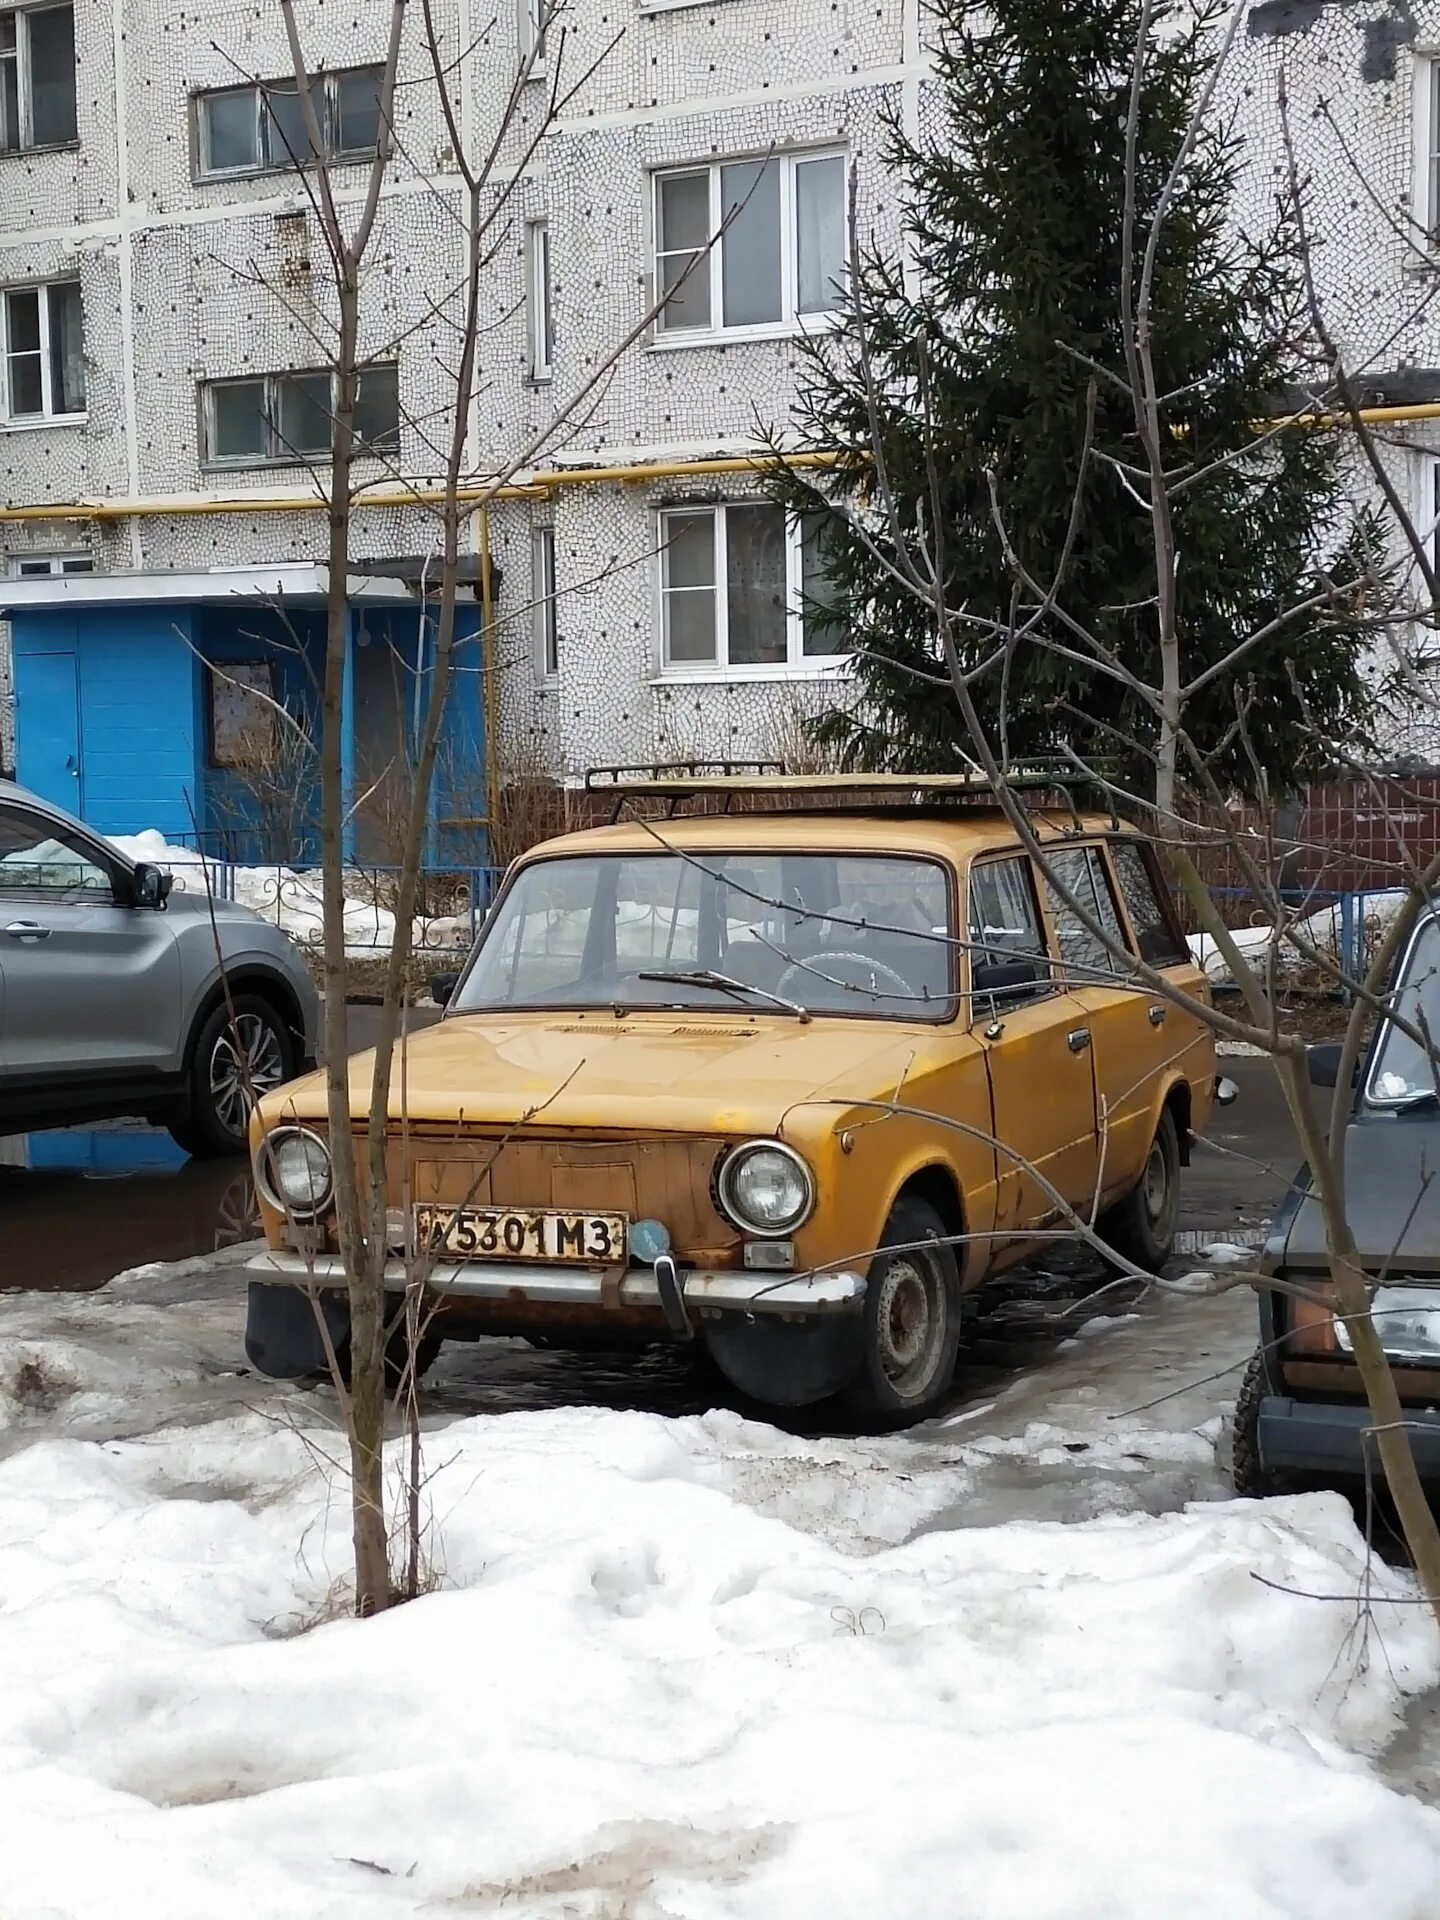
1322,930
292,900
679,1669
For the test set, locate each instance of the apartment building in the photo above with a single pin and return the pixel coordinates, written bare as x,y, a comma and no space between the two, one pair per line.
163,287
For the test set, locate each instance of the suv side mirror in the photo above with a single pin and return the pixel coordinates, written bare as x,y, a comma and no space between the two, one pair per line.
1323,1064
150,886
442,987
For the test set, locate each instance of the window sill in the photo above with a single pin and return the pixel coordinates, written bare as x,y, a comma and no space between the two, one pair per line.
305,463
672,6
43,423
540,379
50,146
272,172
812,324
831,667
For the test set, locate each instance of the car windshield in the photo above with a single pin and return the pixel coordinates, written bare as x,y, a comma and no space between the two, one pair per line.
787,934
1403,1070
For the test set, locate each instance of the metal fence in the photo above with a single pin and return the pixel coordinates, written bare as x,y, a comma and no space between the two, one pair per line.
451,901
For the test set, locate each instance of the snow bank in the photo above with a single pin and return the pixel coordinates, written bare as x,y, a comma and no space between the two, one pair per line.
1322,930
292,900
669,1680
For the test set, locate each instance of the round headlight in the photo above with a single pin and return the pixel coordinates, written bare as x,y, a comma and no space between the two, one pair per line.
766,1188
293,1169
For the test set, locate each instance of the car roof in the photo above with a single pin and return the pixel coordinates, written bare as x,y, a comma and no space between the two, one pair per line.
953,833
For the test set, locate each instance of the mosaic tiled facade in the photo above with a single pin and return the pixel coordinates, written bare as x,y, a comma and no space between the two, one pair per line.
186,280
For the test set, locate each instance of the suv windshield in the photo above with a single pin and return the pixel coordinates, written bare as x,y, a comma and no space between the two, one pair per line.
825,933
1403,1071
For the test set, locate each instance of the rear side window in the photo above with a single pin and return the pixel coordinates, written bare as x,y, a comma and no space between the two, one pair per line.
1154,930
1081,872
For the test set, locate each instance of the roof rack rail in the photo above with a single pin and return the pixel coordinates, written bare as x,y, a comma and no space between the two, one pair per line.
727,780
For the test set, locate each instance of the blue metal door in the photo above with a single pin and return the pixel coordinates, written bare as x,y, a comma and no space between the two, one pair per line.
47,728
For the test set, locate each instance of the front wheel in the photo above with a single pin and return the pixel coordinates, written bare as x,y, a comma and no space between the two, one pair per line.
243,1049
911,1322
1141,1228
1247,1471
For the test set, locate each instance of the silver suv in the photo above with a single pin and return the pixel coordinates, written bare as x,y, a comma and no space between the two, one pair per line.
118,999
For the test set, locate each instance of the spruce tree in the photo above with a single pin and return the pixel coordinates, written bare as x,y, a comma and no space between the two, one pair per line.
1014,201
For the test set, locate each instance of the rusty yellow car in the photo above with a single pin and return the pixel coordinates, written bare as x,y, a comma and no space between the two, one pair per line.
788,1081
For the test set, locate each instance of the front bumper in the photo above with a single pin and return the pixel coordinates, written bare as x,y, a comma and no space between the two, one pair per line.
1335,1439
522,1284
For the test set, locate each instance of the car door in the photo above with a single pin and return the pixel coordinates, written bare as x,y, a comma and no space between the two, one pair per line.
90,985
1041,1088
1133,1032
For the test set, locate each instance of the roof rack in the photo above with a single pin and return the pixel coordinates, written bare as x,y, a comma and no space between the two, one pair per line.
728,780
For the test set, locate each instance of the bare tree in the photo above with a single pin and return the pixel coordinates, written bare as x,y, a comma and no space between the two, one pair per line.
479,207
1184,808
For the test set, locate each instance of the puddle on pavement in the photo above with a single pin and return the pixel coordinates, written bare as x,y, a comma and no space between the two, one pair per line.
83,1204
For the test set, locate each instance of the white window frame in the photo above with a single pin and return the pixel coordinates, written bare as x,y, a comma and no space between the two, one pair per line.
539,300
284,456
47,415
531,27
325,97
790,322
797,664
30,566
1425,152
544,607
26,142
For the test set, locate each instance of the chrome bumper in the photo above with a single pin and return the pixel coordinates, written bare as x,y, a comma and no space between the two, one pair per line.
527,1285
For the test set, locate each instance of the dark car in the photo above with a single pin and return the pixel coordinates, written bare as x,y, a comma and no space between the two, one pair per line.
1301,1418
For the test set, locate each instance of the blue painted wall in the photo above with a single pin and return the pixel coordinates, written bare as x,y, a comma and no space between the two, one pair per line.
125,692
135,681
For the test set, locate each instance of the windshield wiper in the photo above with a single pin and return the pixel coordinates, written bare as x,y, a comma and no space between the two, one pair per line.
707,977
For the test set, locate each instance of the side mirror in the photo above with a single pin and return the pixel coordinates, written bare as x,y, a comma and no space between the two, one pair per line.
150,886
1004,976
442,987
1323,1064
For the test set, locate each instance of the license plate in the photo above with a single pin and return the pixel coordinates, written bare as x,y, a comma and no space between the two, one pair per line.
498,1233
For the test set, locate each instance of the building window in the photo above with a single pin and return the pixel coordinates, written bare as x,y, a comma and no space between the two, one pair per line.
741,587
542,599
533,23
242,715
260,127
44,355
30,566
778,262
37,77
279,418
537,297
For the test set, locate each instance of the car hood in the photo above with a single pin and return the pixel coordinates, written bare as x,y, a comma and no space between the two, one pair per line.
1392,1197
669,1073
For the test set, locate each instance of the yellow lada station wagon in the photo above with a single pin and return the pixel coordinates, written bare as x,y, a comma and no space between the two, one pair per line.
788,1079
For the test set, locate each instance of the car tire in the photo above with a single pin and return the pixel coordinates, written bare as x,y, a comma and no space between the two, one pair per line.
1247,1474
1141,1228
244,1046
911,1319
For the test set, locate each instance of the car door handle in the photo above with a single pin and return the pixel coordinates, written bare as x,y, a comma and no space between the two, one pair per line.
1157,1015
1078,1039
27,930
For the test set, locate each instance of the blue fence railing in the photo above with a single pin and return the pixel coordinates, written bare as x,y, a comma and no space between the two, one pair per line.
1345,926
